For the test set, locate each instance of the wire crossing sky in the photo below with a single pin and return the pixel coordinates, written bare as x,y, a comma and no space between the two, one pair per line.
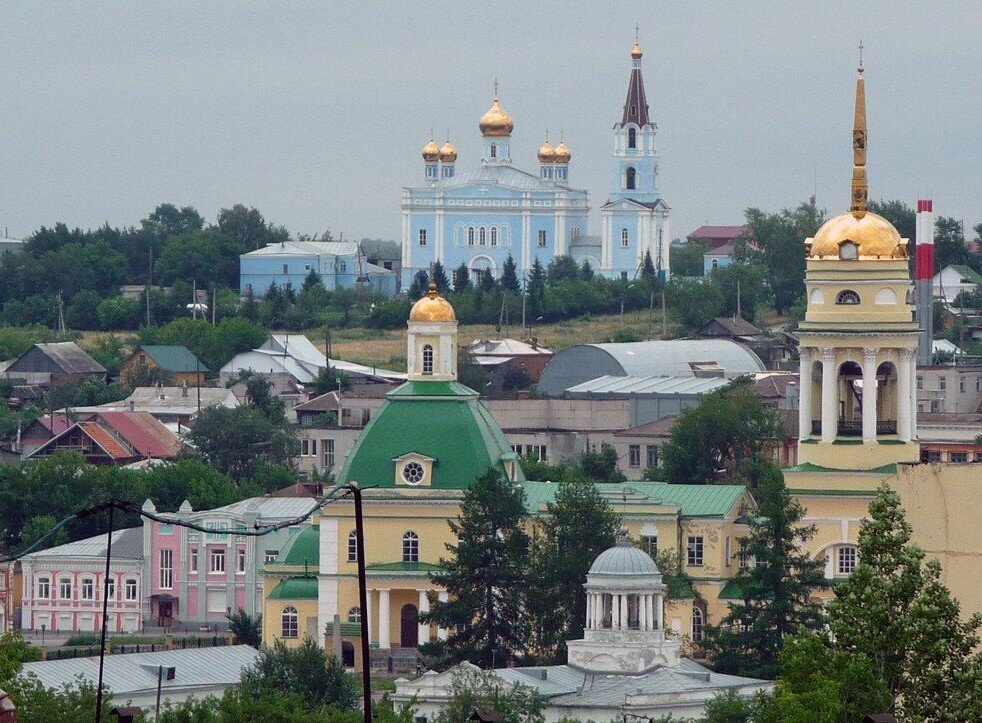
316,113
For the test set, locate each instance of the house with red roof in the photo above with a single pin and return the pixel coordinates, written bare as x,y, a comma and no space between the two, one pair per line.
112,438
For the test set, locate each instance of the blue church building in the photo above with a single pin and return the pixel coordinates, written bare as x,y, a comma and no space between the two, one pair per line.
480,216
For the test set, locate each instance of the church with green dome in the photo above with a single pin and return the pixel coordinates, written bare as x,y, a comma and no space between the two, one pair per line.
431,432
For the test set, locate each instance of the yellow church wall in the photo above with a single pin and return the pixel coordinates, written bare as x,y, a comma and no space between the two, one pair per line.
272,616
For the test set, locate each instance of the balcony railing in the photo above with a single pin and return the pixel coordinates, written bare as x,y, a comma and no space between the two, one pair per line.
854,427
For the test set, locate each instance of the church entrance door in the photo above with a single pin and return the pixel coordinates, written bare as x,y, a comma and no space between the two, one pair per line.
409,626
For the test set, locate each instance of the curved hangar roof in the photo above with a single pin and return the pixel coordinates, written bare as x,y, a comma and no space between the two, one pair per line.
671,358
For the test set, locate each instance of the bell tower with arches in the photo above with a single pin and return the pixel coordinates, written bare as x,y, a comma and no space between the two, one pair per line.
431,354
858,342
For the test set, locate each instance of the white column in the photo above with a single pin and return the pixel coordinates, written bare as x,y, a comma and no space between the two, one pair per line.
805,393
441,633
659,603
623,616
589,610
384,634
830,403
904,412
424,607
371,625
643,612
869,395
615,612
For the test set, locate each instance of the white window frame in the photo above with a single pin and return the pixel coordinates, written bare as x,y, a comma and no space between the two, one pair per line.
352,547
131,589
193,559
327,450
289,623
44,588
422,237
624,238
87,589
216,561
494,235
62,583
695,551
166,569
698,624
354,615
846,559
269,556
111,595
410,547
634,455
542,238
649,543
427,359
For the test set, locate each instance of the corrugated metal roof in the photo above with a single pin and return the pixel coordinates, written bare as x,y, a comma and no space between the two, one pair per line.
173,358
505,347
268,508
105,440
167,401
295,588
507,176
142,431
127,544
307,248
70,357
714,232
608,384
132,673
692,500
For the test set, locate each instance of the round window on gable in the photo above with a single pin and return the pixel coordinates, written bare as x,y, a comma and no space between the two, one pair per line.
847,297
413,473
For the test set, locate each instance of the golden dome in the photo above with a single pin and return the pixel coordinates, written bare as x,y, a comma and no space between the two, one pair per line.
873,234
431,152
563,153
636,51
448,154
496,123
432,307
546,154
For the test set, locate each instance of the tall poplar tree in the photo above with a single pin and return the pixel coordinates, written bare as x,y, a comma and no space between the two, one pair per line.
485,577
777,587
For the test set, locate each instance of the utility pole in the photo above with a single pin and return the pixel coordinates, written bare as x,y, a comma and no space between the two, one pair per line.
738,299
366,670
664,320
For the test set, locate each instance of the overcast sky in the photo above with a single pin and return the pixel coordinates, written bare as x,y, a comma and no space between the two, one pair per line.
316,113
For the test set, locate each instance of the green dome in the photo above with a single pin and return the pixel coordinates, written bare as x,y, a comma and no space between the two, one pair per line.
443,421
301,549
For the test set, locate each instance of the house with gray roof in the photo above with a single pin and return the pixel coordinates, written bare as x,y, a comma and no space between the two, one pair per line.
54,363
132,678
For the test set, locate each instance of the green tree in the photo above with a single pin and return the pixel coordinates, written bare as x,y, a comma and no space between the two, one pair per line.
601,465
119,314
686,259
246,629
486,281
307,671
536,287
485,577
562,268
481,690
74,701
242,442
909,625
949,243
330,379
777,588
95,391
695,303
509,276
461,279
718,439
469,372
83,311
576,528
743,286
586,271
419,286
439,276
14,651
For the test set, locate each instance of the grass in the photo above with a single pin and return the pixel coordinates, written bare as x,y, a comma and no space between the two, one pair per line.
387,349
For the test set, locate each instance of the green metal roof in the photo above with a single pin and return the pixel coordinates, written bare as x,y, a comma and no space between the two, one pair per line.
679,587
809,467
295,588
441,420
693,500
968,272
732,590
174,358
402,567
301,549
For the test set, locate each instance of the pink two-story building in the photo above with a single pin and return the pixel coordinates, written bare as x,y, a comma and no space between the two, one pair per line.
63,586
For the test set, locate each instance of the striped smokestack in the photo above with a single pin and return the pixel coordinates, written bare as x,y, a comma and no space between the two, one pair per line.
924,279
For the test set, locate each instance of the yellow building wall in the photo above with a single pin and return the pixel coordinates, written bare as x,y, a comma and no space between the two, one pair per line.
272,617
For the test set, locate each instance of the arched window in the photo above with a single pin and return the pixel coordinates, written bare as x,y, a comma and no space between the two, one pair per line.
632,138
352,547
289,623
847,297
470,235
410,547
482,234
427,359
354,615
624,238
630,178
697,623
715,263
494,235
494,150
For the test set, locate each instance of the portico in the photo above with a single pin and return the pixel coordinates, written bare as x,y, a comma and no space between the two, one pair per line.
394,610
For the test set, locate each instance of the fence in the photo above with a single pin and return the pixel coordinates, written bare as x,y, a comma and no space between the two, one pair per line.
87,651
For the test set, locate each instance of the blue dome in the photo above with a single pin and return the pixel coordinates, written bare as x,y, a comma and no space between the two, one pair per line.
624,559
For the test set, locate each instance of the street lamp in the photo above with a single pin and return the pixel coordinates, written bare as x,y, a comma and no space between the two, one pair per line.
624,296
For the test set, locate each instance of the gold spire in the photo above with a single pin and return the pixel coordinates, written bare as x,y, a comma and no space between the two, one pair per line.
860,187
636,49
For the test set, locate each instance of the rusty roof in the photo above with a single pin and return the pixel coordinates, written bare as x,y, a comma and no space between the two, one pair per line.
143,432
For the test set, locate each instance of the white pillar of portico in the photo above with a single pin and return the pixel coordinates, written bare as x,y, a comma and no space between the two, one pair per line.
830,415
371,625
659,611
441,633
869,395
424,607
805,394
589,611
624,615
384,634
643,612
615,612
904,412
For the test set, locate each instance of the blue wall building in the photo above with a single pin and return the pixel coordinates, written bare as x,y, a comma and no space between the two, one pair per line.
481,216
341,265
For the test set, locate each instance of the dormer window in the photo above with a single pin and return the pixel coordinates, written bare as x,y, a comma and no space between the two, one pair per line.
848,251
847,298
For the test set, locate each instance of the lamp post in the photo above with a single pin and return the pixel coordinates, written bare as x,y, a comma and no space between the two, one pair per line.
623,297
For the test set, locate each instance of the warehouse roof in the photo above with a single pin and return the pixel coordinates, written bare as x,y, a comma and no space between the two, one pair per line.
611,385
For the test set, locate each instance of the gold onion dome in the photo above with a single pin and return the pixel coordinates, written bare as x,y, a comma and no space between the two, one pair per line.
432,307
546,154
496,122
448,154
563,153
431,152
636,51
